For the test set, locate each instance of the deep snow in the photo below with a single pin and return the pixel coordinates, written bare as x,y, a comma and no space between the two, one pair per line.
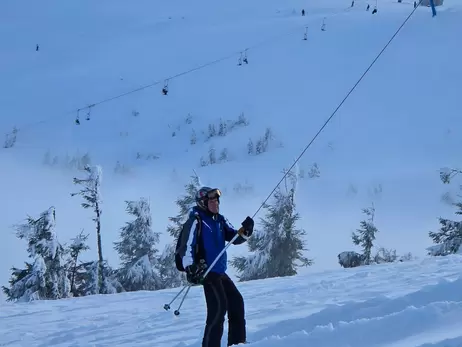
414,304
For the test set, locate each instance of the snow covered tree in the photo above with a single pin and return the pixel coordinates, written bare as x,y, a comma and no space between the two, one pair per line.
406,257
250,148
88,279
212,156
384,255
46,276
222,128
203,162
223,155
212,130
170,276
277,250
77,246
10,138
447,174
193,139
348,259
91,193
314,171
111,284
449,237
365,236
242,120
137,249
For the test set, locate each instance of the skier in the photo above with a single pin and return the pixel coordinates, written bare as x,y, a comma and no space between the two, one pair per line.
201,240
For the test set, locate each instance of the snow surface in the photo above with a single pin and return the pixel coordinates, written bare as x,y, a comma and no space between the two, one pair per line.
412,304
396,130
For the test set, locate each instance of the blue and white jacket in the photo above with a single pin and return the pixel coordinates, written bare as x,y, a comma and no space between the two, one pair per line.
215,230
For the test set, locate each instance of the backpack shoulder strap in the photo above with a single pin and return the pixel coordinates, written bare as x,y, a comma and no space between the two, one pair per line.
199,251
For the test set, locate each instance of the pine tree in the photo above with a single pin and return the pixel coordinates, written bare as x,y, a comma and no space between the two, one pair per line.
250,148
87,279
77,246
277,250
449,237
170,276
222,128
223,155
193,139
260,147
46,277
137,249
212,130
212,156
365,236
91,193
10,138
242,120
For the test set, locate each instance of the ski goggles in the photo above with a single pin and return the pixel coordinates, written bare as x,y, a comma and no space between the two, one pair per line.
213,194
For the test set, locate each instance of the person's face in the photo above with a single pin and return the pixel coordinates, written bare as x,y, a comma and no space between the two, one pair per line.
213,205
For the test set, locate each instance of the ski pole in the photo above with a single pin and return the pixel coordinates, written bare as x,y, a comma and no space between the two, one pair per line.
167,306
177,311
240,233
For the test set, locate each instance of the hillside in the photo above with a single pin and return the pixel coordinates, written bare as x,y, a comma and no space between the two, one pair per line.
415,304
385,145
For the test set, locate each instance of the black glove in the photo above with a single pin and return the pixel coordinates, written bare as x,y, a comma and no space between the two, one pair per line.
195,272
247,225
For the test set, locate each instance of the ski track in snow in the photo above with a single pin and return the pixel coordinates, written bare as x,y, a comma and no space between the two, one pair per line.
416,304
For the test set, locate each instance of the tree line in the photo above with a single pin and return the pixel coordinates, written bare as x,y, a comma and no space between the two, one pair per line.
277,248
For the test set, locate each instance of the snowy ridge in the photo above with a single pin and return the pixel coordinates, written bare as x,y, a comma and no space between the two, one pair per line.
400,305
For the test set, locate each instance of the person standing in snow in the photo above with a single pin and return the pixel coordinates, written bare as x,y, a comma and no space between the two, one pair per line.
202,238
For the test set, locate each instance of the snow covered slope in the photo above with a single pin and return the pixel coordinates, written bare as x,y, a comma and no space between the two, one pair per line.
397,129
416,304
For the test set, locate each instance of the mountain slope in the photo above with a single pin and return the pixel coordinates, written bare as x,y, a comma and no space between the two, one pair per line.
394,132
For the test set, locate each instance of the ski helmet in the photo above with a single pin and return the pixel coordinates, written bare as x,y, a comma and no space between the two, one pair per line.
204,194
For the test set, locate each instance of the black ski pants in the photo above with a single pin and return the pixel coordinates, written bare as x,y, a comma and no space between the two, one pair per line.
222,296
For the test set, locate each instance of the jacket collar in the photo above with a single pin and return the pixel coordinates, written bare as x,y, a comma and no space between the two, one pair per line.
207,213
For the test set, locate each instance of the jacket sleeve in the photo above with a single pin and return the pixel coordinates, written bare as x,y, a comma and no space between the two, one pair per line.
188,241
230,232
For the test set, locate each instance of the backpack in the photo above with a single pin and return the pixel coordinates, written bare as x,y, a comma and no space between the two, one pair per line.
181,244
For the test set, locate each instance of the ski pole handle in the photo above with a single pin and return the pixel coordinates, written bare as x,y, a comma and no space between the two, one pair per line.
241,233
